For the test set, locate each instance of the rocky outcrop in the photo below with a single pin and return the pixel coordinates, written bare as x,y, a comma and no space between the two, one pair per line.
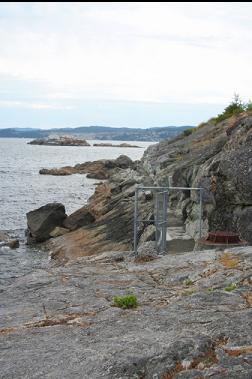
218,159
6,240
214,157
60,141
76,220
193,318
42,221
101,169
58,231
107,144
112,207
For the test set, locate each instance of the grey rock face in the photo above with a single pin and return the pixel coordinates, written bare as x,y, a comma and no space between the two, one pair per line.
60,322
217,158
123,161
42,221
78,219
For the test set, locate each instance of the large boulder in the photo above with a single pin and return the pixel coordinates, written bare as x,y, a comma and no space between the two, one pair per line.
42,221
123,161
81,217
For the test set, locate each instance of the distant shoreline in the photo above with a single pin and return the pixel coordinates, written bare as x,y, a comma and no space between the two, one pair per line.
99,133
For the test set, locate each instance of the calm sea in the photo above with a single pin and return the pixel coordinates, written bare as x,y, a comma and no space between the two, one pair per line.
22,189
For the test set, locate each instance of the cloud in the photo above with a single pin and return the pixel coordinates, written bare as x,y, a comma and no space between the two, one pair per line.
39,106
59,54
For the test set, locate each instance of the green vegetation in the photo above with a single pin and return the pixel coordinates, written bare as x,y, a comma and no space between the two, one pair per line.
210,289
236,107
188,292
230,287
126,302
249,106
188,282
188,131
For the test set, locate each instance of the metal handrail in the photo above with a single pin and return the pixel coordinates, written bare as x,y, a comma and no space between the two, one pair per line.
166,189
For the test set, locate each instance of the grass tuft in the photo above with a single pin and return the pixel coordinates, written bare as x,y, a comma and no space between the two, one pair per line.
188,282
126,302
231,287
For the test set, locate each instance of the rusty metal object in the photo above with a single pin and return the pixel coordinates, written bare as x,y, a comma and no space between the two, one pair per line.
223,238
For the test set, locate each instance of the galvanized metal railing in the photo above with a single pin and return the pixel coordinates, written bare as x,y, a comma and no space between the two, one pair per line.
161,224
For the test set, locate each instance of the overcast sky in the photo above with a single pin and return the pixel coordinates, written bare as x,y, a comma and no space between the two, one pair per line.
122,64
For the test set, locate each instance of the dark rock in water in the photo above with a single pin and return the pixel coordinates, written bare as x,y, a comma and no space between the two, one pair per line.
78,219
5,240
13,244
42,221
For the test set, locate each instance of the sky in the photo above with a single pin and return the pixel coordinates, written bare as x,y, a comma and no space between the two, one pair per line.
122,64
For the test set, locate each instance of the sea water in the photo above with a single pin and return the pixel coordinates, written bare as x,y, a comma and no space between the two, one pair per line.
23,189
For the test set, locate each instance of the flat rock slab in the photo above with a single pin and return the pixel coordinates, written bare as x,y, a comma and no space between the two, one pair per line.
193,319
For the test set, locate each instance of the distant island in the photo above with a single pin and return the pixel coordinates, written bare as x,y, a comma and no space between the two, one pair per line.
111,145
99,133
60,141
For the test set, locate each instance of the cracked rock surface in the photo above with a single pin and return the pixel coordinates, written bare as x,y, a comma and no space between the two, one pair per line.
193,319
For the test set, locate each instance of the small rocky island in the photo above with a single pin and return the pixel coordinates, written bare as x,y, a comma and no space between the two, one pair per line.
108,144
60,141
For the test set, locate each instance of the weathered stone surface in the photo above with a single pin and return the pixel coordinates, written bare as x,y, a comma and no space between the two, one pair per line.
148,234
58,231
123,161
42,221
101,169
187,324
112,206
78,219
217,158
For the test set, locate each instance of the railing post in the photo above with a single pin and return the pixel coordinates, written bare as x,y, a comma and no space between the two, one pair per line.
200,214
135,220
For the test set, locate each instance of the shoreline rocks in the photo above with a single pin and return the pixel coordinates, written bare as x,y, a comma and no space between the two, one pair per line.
6,240
59,141
42,221
101,169
107,144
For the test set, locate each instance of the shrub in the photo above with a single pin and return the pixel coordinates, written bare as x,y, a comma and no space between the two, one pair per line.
230,287
188,282
126,302
234,108
187,132
249,106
